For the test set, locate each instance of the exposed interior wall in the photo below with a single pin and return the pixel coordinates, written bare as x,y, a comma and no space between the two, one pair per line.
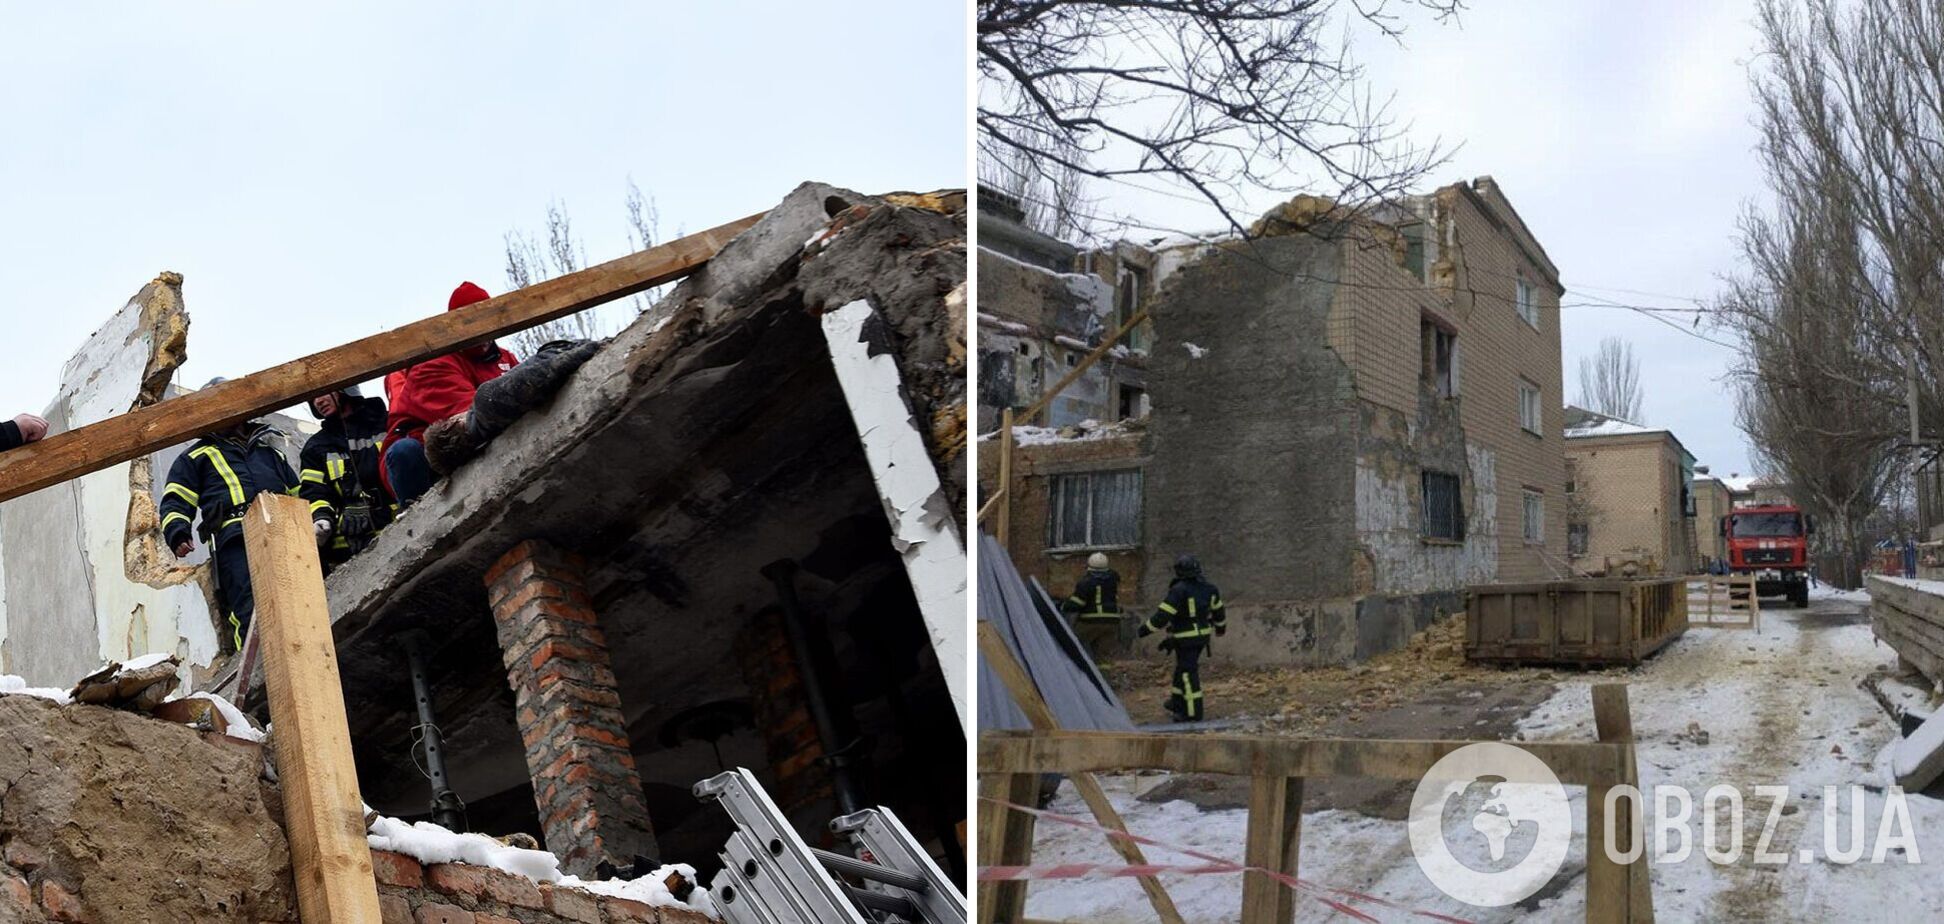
1035,325
84,560
1034,468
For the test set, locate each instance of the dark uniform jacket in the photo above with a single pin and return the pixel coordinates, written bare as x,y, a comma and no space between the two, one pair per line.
340,465
1192,612
1096,595
219,476
10,437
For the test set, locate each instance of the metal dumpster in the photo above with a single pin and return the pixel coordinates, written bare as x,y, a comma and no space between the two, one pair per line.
1584,622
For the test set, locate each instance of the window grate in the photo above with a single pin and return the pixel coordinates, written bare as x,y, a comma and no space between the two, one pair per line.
1095,510
1444,508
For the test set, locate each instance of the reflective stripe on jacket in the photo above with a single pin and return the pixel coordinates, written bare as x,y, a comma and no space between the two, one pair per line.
1192,610
217,477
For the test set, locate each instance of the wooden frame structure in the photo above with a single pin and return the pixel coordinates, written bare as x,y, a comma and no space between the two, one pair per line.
1010,764
323,809
1727,601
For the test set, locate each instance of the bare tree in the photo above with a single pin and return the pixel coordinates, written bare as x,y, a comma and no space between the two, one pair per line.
1609,381
1219,95
530,260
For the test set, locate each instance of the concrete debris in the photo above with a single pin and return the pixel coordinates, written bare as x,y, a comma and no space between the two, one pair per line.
139,820
138,685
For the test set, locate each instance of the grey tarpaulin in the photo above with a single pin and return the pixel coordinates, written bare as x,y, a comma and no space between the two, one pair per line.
1039,637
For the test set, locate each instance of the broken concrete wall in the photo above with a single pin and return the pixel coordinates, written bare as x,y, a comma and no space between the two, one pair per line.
84,576
1254,426
1035,325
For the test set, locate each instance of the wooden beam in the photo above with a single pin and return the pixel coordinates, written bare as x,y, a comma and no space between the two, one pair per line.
323,812
1013,675
1615,892
1273,842
1576,763
1005,839
1074,373
139,432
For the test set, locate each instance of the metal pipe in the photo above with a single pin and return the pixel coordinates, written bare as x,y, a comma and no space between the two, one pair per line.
447,810
843,781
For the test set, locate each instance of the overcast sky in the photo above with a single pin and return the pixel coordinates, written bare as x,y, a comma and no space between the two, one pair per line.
319,173
1623,134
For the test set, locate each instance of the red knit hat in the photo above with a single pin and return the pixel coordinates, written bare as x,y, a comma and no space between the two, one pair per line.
466,294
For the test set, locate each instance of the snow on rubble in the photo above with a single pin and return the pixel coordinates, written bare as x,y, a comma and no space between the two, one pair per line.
430,843
12,684
1089,429
1780,707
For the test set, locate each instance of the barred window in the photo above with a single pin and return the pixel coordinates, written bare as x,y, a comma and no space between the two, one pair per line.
1095,510
1444,509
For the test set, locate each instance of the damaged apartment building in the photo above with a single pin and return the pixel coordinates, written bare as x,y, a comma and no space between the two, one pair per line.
1354,417
710,549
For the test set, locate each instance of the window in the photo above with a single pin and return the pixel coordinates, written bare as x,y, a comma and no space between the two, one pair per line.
1444,509
1522,298
1440,355
1535,516
1530,416
1577,535
1133,402
1095,510
1414,249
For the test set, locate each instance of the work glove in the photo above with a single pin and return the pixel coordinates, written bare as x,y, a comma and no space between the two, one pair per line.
1168,644
1221,630
323,530
355,521
1145,630
183,548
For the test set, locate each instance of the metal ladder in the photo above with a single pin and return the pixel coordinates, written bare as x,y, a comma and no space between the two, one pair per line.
770,876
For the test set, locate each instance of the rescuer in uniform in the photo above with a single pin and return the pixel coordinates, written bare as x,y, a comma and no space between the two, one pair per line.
340,477
1191,615
1095,607
219,476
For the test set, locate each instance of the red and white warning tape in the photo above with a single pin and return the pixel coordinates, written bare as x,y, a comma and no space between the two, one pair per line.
1328,895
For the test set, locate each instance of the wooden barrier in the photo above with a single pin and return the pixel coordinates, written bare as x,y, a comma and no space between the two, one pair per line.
1724,601
1010,764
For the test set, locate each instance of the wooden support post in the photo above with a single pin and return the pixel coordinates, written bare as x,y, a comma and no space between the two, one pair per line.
323,812
1005,839
1616,892
1013,675
139,432
1274,841
1002,521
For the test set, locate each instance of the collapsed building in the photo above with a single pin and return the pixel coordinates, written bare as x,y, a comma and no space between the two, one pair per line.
1354,417
733,538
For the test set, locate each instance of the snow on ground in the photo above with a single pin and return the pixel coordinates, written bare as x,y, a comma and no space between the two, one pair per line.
1821,591
1778,707
10,683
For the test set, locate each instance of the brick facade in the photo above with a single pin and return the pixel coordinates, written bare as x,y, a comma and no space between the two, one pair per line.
1631,486
782,714
584,778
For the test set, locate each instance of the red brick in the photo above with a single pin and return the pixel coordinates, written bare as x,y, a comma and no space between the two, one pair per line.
439,913
23,855
394,909
524,553
573,904
684,916
621,909
62,905
484,882
16,891
551,650
397,869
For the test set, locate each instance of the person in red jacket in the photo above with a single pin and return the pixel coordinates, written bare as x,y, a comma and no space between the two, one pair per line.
430,392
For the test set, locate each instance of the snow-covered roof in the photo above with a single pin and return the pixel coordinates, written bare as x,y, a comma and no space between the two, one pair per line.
1608,427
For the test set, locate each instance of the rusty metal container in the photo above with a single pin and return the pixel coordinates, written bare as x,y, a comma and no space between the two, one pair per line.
1599,622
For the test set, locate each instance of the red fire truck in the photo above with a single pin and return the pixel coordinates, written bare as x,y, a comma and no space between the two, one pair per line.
1772,543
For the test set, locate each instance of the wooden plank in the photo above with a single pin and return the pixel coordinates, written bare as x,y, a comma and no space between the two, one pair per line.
1005,839
1272,842
1575,763
142,431
323,811
1002,521
1013,675
1615,892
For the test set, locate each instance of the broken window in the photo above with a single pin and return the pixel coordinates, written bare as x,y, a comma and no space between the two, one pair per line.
1440,355
1530,416
1522,299
1095,510
1414,248
1535,516
1133,402
1444,508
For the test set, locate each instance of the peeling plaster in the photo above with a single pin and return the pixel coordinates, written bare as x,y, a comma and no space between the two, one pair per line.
922,529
